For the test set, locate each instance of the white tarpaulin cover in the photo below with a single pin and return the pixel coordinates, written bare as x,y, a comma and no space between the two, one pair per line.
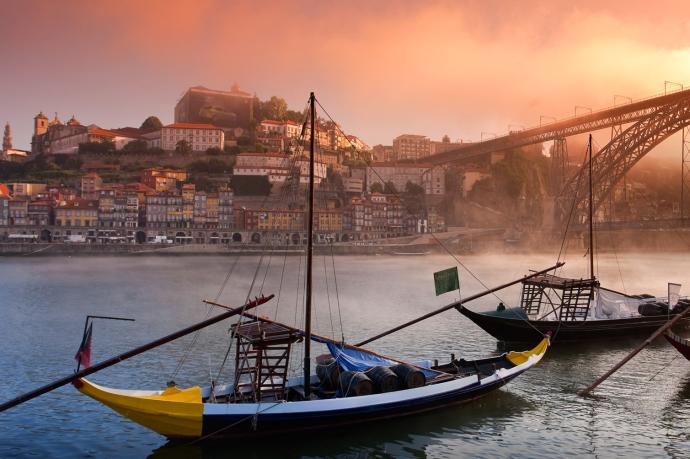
612,305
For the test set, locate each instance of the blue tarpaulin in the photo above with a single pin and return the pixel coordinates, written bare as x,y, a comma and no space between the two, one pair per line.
361,360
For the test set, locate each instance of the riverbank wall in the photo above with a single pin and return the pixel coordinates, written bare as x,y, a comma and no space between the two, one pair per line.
491,242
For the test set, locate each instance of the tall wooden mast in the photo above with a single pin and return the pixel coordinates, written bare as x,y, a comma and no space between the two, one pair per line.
310,228
591,214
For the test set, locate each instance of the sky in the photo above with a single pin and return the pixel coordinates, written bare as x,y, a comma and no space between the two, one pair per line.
381,68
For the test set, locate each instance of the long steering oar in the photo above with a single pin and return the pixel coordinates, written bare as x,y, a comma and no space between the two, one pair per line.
124,356
584,392
458,304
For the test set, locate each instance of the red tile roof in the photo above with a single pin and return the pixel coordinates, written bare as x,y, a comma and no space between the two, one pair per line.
101,132
131,132
79,204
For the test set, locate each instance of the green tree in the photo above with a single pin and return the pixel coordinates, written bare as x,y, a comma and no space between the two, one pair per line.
152,123
276,108
138,146
251,185
413,199
103,147
182,147
376,187
213,151
390,188
233,150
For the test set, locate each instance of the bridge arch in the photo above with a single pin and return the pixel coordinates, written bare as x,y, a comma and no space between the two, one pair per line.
620,155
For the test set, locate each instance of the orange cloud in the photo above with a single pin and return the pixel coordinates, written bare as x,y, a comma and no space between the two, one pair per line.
383,68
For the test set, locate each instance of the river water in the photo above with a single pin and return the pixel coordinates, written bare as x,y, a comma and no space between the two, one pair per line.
642,411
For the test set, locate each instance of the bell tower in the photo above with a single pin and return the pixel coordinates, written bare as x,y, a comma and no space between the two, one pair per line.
40,124
7,138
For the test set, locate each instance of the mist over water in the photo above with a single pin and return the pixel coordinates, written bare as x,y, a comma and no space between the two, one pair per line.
636,413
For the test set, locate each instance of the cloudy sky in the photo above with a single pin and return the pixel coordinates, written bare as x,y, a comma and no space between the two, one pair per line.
381,68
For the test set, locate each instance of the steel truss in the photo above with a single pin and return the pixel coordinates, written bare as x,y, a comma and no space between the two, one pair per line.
621,154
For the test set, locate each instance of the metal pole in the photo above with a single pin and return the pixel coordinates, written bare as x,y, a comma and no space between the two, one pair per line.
136,351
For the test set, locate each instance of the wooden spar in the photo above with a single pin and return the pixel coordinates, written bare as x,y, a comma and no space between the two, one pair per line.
458,304
136,351
660,330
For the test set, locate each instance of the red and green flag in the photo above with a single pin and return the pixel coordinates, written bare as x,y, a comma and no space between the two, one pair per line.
83,355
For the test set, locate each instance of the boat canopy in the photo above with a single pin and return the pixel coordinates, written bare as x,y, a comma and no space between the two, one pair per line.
557,282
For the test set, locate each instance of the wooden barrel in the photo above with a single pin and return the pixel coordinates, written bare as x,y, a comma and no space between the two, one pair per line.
409,376
354,383
328,373
385,380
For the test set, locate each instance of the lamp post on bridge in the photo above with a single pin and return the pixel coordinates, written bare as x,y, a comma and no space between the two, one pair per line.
672,83
583,108
541,117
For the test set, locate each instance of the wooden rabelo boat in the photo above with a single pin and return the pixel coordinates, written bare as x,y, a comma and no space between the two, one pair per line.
575,309
352,385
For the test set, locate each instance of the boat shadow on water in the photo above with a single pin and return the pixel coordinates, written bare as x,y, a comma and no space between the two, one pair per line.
403,437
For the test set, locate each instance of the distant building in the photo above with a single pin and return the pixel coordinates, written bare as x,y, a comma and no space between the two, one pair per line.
162,179
4,205
164,210
23,189
199,137
277,167
411,146
428,176
8,153
18,212
226,109
446,145
40,213
79,213
54,137
286,128
226,218
383,153
354,141
91,185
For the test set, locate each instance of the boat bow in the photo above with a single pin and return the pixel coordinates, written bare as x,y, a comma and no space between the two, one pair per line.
173,412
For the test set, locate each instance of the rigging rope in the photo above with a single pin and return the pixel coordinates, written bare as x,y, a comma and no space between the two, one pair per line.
195,338
241,316
436,239
337,296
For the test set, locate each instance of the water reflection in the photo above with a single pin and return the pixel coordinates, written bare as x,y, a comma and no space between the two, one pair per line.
458,426
642,411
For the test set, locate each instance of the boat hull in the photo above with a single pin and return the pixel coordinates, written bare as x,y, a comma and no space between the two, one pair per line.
681,344
531,331
219,425
186,413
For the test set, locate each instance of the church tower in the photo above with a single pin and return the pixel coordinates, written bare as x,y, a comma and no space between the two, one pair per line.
40,124
40,129
7,138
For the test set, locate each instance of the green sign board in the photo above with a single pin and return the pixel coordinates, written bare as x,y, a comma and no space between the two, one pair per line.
446,280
